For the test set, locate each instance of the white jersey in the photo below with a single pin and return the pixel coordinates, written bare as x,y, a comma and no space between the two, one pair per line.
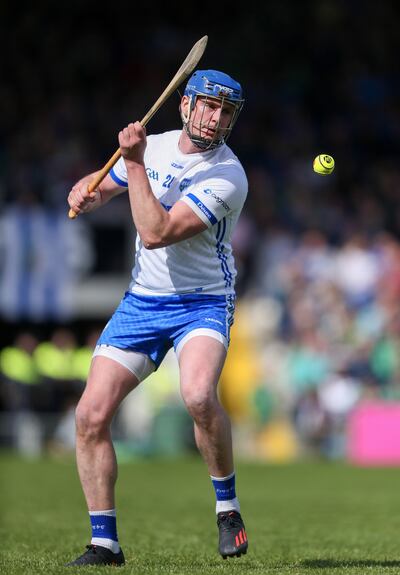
214,185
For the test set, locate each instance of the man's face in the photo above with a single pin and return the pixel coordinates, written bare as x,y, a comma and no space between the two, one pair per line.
210,117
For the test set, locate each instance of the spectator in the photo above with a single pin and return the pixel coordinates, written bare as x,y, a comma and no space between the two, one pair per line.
20,385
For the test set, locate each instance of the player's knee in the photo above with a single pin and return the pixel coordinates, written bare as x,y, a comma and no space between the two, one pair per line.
90,423
201,406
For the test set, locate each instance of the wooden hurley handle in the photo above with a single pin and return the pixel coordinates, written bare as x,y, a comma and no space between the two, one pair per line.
99,178
189,64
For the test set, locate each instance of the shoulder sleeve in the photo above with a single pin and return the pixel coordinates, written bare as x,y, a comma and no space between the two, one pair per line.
217,196
118,173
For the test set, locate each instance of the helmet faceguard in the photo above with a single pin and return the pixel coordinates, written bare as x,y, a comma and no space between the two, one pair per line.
216,86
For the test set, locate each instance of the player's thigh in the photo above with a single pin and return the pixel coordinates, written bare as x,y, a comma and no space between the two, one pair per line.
108,384
201,360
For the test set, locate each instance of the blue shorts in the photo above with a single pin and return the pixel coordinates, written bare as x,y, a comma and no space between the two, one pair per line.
153,324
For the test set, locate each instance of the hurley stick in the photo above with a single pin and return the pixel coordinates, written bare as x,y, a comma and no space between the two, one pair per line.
189,64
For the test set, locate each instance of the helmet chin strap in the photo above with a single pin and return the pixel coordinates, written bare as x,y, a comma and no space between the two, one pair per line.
203,143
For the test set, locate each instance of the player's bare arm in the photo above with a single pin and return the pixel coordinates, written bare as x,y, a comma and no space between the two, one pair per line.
156,227
82,201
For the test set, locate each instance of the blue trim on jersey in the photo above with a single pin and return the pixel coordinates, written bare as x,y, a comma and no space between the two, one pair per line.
117,180
220,253
153,324
219,228
203,208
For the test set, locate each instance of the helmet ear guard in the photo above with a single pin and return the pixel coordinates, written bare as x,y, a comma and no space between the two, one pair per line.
218,86
185,119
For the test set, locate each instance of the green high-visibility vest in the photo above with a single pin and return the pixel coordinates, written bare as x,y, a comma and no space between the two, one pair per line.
18,365
53,362
81,362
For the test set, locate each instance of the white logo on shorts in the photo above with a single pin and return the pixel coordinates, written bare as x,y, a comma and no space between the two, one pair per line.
214,320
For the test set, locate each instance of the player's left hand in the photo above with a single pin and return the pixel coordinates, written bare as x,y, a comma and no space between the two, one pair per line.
132,141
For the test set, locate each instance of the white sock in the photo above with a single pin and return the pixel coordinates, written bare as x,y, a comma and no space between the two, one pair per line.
228,505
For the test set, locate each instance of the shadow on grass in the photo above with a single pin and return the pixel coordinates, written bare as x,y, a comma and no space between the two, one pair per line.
340,563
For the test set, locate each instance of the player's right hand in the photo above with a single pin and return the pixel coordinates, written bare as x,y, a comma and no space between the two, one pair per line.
80,200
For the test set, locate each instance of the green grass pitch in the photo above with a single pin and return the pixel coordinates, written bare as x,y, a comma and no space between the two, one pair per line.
314,518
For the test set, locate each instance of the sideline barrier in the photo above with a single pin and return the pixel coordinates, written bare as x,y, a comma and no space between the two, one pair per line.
373,435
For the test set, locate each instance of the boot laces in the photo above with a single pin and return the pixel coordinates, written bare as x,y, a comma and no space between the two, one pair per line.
230,520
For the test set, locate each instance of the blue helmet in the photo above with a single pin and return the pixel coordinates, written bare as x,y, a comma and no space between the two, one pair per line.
216,85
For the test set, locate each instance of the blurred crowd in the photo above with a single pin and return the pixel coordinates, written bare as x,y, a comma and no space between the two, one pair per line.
42,379
41,382
317,325
317,331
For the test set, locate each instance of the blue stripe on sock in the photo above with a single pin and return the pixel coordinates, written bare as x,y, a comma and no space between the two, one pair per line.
104,526
224,489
